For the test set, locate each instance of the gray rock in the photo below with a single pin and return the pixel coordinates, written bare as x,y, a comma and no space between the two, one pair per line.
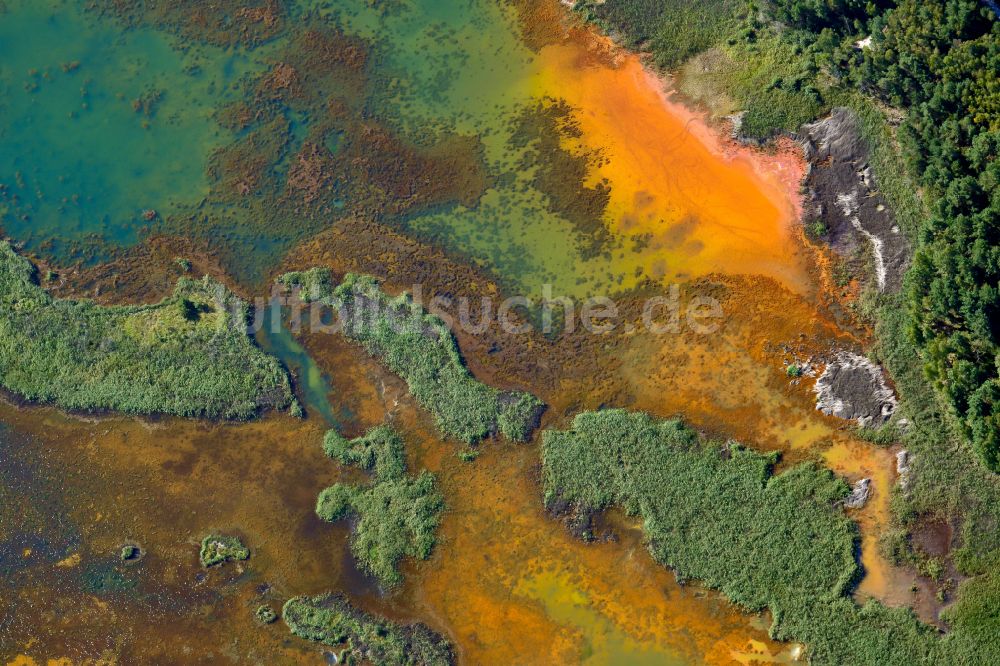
852,387
860,493
843,194
903,467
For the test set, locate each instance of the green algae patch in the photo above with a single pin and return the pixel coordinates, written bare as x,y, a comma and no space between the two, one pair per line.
396,516
716,512
331,619
188,355
418,347
219,548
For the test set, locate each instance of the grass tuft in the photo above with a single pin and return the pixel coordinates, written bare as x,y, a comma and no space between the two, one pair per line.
219,548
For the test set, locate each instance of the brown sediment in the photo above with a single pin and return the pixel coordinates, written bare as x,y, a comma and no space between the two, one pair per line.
496,538
222,23
324,75
388,176
933,538
319,61
164,486
243,169
731,383
541,22
562,175
145,273
310,173
167,485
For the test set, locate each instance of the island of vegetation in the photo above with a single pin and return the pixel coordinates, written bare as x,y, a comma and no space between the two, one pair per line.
188,355
716,512
330,619
395,516
220,548
418,347
265,614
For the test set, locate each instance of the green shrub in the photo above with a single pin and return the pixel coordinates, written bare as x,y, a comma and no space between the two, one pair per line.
265,614
219,548
396,516
468,455
817,229
380,451
716,512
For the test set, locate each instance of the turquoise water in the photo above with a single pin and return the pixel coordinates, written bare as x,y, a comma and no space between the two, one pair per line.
78,161
106,132
449,65
310,381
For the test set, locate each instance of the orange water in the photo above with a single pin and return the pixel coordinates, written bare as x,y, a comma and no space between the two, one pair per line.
709,205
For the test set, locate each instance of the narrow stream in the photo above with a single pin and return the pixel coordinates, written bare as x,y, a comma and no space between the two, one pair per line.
310,382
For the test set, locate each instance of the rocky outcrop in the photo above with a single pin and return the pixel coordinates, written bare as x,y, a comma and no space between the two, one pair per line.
842,194
903,467
860,493
852,387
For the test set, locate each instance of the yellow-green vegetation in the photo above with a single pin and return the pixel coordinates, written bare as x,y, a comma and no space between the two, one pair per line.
946,484
330,619
188,355
396,516
419,348
715,511
669,30
220,548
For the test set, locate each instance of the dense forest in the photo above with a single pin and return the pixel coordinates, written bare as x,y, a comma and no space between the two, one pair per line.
941,62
